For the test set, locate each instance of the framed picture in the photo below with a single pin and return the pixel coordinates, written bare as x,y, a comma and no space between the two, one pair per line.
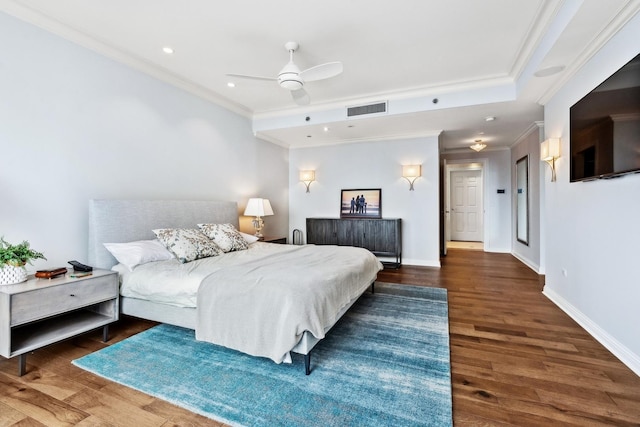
361,203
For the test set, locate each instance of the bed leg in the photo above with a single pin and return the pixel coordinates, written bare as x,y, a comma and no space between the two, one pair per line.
373,289
307,363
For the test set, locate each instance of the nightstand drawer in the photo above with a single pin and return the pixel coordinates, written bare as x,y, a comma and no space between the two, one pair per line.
52,300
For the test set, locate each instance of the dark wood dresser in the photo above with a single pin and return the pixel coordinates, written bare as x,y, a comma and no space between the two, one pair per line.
383,237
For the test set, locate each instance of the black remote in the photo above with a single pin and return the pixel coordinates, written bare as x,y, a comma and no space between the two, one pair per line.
77,266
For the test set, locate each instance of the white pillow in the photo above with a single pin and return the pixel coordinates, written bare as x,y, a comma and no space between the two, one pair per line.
225,236
250,238
187,244
131,254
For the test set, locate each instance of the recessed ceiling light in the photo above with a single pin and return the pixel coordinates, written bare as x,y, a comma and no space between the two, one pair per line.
231,84
326,128
168,50
549,71
489,118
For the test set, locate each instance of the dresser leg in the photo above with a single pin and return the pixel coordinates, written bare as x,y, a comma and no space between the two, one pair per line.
105,333
22,364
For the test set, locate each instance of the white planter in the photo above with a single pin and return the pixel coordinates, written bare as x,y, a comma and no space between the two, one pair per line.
10,275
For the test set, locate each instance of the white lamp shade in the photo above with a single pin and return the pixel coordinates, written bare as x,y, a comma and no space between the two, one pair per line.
411,171
258,207
550,149
307,175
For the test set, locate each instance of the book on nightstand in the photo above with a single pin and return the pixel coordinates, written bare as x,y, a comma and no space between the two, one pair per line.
77,274
50,274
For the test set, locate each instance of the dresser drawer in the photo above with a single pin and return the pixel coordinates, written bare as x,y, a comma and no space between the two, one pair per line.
40,303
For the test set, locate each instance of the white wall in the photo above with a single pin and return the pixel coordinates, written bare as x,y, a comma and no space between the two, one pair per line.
529,145
497,207
76,126
373,165
592,228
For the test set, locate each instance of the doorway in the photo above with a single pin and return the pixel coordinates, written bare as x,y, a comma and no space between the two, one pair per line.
464,206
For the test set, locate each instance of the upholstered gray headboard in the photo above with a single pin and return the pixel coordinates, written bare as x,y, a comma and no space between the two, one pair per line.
117,221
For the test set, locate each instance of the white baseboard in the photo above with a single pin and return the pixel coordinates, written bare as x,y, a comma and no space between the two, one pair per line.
626,356
497,250
527,262
421,262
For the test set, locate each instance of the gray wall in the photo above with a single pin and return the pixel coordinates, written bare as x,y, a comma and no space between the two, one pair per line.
374,164
592,228
75,126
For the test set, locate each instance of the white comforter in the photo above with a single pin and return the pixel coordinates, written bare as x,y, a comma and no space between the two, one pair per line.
263,307
260,301
173,283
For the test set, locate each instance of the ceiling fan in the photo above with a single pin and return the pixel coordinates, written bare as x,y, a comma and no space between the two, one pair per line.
292,79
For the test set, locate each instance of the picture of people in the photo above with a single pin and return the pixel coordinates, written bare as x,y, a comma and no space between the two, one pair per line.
361,203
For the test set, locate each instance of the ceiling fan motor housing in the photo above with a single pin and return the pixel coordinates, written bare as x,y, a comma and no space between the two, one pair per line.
289,77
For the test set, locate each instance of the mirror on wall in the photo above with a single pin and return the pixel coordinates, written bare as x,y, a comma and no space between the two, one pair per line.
522,200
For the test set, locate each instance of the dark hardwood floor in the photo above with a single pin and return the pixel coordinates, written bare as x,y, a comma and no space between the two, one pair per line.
516,359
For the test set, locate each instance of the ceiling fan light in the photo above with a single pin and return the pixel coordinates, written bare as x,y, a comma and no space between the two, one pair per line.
290,81
291,84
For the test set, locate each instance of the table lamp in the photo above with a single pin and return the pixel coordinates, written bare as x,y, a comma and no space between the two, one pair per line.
258,208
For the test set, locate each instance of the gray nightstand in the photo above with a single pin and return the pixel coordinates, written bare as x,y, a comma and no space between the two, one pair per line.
40,312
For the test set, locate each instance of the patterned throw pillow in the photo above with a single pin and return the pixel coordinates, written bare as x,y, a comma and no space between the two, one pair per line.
225,236
187,244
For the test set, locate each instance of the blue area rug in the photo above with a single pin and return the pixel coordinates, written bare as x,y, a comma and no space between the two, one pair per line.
386,363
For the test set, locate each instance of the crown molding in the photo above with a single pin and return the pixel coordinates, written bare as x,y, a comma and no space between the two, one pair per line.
545,15
626,13
78,37
535,126
391,97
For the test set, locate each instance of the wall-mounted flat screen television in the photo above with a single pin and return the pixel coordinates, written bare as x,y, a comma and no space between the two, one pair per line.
605,127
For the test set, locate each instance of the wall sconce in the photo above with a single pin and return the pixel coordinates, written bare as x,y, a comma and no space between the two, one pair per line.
549,152
411,173
258,208
307,177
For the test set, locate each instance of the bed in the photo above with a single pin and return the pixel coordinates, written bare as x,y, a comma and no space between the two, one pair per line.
268,300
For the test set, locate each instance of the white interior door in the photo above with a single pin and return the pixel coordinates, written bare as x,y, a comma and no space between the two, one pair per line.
466,205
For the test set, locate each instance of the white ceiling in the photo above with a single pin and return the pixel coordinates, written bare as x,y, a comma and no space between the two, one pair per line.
477,58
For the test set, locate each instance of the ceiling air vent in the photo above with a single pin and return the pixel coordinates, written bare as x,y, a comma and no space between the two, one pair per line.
380,107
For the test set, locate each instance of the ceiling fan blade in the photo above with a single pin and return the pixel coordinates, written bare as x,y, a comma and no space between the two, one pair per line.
243,76
301,97
322,71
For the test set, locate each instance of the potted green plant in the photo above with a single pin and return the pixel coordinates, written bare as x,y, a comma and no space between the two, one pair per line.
13,259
